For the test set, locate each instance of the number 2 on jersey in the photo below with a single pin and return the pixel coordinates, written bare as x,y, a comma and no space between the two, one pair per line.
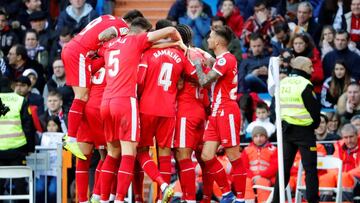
165,76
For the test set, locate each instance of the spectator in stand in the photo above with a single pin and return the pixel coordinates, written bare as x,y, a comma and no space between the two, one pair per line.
178,9
197,20
262,21
57,46
335,85
253,71
322,135
77,15
232,16
341,51
247,7
305,22
39,23
327,38
234,46
281,38
291,9
351,22
261,163
332,12
35,51
355,120
24,13
347,149
34,102
19,62
349,103
57,83
7,37
262,119
33,76
54,107
333,124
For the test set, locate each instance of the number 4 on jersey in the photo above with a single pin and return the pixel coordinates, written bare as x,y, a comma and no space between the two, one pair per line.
165,76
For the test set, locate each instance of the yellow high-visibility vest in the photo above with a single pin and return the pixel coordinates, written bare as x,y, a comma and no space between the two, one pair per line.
11,133
292,106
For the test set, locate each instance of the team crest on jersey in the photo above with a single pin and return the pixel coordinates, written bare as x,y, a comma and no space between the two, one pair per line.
221,61
123,30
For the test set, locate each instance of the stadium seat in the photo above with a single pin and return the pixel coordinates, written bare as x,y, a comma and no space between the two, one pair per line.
327,162
271,189
13,172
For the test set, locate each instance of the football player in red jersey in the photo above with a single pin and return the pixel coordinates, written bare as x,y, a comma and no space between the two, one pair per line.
224,122
77,58
119,105
161,68
90,134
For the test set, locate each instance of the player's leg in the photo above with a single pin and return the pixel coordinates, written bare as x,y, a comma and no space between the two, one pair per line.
97,182
109,168
187,173
78,76
207,179
137,182
82,172
126,169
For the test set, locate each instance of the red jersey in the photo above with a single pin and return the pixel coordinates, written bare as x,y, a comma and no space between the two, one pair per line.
163,70
225,88
89,36
122,57
98,84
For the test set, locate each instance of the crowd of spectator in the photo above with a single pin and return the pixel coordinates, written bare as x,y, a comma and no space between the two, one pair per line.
33,32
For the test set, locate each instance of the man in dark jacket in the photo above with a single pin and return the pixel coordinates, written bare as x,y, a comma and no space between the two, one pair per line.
76,16
300,115
7,37
342,52
253,70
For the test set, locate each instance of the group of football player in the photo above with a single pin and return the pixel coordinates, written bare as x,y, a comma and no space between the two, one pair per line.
136,88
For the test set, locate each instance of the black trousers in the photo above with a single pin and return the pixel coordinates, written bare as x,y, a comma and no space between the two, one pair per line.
299,138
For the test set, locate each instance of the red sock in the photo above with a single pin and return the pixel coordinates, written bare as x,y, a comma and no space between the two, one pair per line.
165,168
208,182
150,167
216,170
187,182
138,182
125,175
107,176
75,116
114,181
82,178
97,181
238,174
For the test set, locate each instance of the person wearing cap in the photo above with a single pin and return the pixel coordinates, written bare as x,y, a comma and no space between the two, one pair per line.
33,76
260,161
39,23
300,115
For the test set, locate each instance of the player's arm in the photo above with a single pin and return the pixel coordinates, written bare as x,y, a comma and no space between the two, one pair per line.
205,79
108,34
210,60
168,32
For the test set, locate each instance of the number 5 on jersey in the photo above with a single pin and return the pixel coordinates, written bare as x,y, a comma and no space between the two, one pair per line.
113,63
165,76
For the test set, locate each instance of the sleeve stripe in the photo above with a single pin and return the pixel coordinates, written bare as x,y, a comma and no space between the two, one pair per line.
192,73
217,71
143,65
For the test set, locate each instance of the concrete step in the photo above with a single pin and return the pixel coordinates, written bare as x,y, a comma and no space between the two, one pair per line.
138,4
148,12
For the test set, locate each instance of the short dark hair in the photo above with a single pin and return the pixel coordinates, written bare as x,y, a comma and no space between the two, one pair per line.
325,117
262,105
224,32
65,31
228,0
185,33
354,83
255,36
55,93
142,23
21,50
341,32
32,31
163,23
261,2
283,26
56,120
218,18
132,15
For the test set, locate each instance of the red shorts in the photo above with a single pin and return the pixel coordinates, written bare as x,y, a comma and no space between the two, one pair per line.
161,127
77,65
121,119
189,132
224,129
91,129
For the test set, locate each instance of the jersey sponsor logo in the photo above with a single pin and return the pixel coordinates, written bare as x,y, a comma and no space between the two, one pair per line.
221,61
